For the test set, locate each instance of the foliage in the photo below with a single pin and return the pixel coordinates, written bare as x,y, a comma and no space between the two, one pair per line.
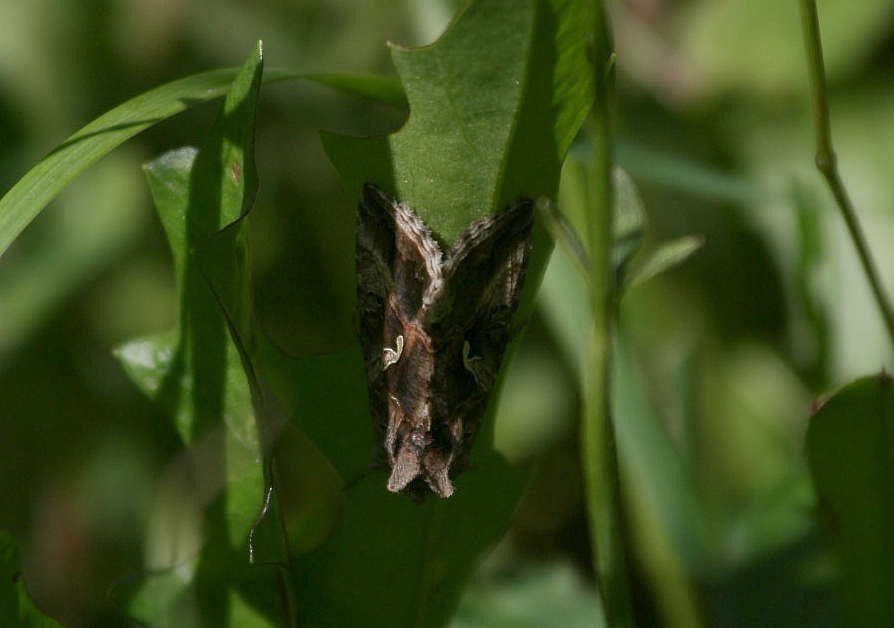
662,382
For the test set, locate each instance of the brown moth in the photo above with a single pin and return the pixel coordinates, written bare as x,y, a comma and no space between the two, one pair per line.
433,330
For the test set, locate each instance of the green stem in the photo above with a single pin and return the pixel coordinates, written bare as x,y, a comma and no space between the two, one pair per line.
827,163
600,456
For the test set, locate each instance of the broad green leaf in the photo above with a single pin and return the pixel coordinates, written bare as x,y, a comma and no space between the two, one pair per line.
494,104
308,488
415,556
309,491
850,447
488,123
17,610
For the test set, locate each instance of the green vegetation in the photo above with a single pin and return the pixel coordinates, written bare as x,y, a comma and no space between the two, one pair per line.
666,448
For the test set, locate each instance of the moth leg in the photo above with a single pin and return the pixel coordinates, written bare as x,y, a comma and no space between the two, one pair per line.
391,356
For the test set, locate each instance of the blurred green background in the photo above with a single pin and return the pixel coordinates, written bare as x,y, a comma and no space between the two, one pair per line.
717,362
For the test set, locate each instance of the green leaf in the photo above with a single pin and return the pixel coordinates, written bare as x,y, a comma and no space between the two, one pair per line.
663,257
850,446
198,374
403,562
44,181
38,187
494,105
17,610
384,89
488,122
309,493
629,217
632,265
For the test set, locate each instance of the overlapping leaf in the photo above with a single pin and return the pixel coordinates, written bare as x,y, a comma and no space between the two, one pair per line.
494,105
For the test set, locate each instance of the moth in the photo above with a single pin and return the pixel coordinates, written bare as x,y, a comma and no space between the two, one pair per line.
433,327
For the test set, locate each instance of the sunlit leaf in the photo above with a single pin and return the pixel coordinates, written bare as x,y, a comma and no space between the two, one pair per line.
198,374
44,181
494,104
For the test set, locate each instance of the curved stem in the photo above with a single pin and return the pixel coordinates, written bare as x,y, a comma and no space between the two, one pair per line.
826,161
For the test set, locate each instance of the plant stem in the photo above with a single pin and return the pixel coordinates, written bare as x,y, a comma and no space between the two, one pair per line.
599,451
826,161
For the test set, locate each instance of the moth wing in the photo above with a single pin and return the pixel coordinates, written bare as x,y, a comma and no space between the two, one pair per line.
469,318
396,256
484,273
397,260
375,252
405,469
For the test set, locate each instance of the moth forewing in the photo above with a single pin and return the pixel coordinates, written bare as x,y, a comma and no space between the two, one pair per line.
434,331
486,266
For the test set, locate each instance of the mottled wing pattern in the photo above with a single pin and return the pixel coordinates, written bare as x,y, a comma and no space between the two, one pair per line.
484,270
433,331
384,258
470,320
